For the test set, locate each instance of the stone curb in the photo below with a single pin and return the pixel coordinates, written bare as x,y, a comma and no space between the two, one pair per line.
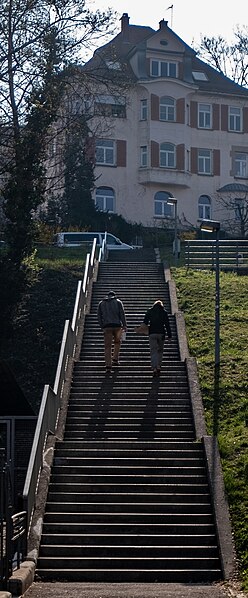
21,579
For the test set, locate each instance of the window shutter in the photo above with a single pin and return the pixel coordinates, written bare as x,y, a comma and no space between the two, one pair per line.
121,152
224,117
216,162
154,154
245,120
180,107
194,163
193,115
216,117
154,107
180,71
180,156
90,149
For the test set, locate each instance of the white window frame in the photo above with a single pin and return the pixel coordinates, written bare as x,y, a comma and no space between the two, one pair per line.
164,68
234,119
204,116
143,156
167,155
204,161
204,208
105,152
161,207
143,109
106,198
241,165
167,109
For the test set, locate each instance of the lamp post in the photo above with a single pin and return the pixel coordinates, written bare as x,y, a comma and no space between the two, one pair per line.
212,226
172,201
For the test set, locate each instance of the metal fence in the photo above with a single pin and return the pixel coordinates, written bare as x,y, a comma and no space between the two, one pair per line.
13,526
233,255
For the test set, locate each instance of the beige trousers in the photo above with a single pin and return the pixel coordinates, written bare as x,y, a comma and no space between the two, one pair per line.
112,335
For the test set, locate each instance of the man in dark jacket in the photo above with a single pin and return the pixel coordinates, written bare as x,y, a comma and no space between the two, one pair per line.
158,321
112,320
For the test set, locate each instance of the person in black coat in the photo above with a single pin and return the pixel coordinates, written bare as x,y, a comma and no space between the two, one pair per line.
158,321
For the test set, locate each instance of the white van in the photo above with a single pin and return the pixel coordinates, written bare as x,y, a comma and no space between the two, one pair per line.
71,239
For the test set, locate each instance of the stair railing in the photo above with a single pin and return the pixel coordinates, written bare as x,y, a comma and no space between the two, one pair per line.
51,397
103,253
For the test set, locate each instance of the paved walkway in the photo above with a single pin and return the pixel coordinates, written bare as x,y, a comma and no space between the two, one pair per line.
125,590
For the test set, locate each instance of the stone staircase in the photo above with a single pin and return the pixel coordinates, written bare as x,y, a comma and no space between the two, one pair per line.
128,497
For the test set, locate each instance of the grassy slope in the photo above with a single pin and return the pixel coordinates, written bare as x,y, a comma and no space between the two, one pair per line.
228,416
33,351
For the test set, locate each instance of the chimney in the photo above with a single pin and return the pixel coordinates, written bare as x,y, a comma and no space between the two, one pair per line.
124,21
163,24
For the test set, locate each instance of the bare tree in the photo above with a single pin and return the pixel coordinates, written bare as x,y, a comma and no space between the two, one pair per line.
237,210
229,59
38,41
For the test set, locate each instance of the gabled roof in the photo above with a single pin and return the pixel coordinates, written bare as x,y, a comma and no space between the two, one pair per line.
134,37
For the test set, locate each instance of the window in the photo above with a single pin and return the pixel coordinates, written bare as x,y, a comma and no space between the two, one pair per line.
143,156
241,165
107,105
114,65
105,198
167,109
199,76
143,110
161,208
204,116
234,119
204,208
105,152
204,161
167,155
159,68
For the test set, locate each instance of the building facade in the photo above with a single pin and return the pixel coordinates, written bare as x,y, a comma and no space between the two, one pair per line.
179,130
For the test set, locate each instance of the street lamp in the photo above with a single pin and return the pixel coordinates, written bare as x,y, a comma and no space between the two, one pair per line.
213,226
172,201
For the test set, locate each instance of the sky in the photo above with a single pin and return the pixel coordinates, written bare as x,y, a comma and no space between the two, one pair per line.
188,18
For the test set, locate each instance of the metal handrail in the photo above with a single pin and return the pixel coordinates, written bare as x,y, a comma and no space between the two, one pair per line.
51,398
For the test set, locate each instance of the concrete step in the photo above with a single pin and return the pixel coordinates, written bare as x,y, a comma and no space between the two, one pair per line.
131,562
195,541
138,575
127,507
120,551
146,486
127,528
128,497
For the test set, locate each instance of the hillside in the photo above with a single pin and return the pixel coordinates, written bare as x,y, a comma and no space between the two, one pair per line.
33,351
225,402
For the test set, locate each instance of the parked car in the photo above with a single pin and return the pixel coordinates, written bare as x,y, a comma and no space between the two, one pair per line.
74,239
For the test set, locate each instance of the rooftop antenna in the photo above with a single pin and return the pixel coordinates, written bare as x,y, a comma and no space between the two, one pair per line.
171,8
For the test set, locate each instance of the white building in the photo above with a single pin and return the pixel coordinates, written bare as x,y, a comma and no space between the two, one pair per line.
180,131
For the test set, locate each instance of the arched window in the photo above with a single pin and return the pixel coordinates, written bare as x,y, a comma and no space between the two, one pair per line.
161,208
204,207
167,155
105,199
167,109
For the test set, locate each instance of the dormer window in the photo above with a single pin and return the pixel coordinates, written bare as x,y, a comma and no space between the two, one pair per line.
161,68
199,76
114,65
